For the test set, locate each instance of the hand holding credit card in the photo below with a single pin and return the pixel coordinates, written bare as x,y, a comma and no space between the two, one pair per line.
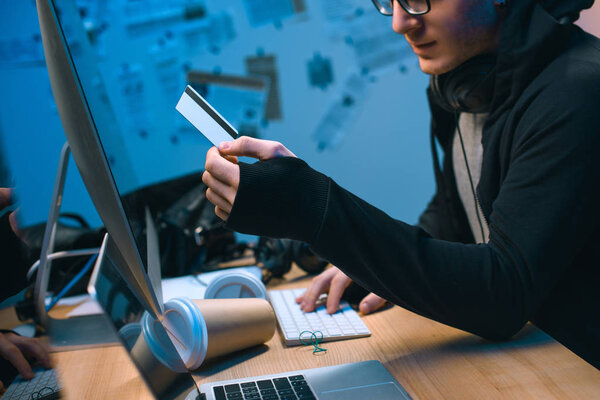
205,118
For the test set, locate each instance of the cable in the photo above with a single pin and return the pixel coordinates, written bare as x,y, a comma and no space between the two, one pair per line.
62,254
314,340
73,281
462,146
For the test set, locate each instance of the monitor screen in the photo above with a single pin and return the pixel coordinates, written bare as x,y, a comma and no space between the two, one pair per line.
101,111
95,141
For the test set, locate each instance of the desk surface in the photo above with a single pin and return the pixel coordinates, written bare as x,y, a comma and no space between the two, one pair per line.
431,361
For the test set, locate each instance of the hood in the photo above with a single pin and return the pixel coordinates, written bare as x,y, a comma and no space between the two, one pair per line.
533,34
565,8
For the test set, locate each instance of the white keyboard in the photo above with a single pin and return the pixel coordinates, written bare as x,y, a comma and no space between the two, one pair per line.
43,386
344,324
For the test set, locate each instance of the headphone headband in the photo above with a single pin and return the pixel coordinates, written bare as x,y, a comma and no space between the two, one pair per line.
468,87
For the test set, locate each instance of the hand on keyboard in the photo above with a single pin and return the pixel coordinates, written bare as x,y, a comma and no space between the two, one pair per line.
334,282
344,324
15,349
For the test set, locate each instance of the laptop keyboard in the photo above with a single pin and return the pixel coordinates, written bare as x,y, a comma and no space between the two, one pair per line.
44,385
285,388
344,324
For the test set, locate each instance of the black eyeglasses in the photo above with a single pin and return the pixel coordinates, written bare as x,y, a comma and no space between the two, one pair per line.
413,7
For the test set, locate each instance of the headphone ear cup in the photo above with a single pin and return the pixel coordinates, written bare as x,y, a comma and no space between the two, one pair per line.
438,90
468,87
275,255
306,259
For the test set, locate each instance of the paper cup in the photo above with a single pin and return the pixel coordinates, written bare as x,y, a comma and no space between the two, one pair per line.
205,329
158,373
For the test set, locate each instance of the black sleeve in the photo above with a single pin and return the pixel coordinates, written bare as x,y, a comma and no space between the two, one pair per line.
284,197
14,261
281,192
430,219
546,209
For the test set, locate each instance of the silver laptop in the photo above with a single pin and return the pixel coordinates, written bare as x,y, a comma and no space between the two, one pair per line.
122,309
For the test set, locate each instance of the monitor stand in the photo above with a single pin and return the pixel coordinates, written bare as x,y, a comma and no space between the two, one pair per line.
75,332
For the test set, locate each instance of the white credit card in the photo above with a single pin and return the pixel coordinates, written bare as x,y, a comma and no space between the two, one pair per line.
205,118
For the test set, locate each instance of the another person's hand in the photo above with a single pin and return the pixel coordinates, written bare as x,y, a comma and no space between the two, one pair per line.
6,200
15,349
222,175
5,197
334,282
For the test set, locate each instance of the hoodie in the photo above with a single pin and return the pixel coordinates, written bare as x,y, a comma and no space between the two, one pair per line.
538,192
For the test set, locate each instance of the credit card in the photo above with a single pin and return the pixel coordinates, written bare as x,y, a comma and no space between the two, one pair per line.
205,118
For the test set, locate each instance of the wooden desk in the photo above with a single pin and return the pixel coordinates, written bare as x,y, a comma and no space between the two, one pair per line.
431,361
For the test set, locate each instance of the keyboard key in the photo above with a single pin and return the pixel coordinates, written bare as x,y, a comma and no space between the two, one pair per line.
285,392
219,392
302,389
268,392
232,388
306,396
282,383
266,384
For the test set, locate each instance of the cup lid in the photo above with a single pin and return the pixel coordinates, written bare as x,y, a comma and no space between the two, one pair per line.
160,345
235,285
129,333
187,329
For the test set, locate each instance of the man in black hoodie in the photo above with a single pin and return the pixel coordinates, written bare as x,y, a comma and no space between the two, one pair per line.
510,234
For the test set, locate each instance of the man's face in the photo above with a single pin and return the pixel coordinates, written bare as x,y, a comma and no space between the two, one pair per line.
451,33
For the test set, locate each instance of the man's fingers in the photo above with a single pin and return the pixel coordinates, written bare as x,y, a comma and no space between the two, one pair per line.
310,297
5,197
34,348
221,213
217,200
48,363
339,283
256,148
328,274
13,355
231,159
219,188
221,169
371,303
320,284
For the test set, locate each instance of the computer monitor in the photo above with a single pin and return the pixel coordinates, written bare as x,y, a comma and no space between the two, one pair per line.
130,226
